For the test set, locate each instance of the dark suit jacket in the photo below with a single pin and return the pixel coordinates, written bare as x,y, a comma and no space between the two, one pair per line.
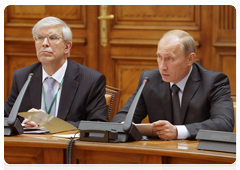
206,101
82,96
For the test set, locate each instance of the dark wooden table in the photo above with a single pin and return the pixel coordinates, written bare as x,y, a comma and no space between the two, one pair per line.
46,149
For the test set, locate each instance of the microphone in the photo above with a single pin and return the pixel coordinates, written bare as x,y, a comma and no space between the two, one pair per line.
111,131
128,120
12,126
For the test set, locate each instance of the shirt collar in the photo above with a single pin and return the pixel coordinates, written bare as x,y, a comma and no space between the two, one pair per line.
58,75
181,84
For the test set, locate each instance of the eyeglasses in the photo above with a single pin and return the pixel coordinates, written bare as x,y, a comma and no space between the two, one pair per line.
53,38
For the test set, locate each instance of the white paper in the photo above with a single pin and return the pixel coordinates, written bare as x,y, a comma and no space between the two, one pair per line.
67,135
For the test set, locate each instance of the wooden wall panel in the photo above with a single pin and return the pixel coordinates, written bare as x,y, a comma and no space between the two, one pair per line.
128,72
112,157
27,13
19,45
28,155
228,66
23,155
224,42
157,17
16,61
225,23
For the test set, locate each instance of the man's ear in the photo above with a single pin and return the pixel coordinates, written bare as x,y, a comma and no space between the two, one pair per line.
191,58
68,47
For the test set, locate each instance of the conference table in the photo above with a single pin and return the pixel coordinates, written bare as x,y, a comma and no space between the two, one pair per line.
47,149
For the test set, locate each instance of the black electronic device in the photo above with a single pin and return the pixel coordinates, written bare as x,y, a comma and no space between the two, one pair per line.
12,125
110,131
216,141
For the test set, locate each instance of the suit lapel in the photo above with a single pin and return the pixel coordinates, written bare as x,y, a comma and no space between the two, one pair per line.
69,88
36,83
190,89
166,99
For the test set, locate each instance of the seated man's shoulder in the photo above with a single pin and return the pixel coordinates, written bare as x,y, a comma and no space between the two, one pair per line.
209,74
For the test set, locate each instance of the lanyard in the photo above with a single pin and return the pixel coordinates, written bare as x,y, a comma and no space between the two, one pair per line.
49,111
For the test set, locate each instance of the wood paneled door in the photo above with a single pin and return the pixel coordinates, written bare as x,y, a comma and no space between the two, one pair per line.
121,40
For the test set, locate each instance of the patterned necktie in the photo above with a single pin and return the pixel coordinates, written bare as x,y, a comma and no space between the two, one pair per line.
50,95
176,105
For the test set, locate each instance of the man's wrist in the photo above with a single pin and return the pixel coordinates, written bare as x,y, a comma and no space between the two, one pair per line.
182,132
176,136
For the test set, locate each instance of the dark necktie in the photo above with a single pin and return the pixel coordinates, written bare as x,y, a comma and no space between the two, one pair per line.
176,105
50,95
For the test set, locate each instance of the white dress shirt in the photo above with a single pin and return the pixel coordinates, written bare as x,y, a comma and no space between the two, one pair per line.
182,130
58,76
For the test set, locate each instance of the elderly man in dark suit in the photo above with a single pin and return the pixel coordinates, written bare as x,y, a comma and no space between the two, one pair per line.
182,96
60,87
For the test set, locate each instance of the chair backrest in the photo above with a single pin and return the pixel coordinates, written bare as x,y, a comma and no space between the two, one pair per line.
235,105
112,98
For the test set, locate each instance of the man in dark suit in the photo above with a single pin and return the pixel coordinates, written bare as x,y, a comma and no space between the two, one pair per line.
79,91
204,100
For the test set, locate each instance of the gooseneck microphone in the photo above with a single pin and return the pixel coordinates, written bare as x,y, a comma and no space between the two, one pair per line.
12,125
111,131
128,120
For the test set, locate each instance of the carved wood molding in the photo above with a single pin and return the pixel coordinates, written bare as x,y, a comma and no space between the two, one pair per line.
224,44
155,12
40,11
158,27
227,65
224,27
81,59
24,155
20,54
158,17
77,56
134,58
81,41
31,25
18,39
34,54
227,17
141,58
28,15
133,42
139,42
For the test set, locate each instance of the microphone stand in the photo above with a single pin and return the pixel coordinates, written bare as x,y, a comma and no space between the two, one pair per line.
12,125
110,131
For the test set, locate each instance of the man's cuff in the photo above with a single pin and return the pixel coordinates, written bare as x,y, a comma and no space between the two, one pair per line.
182,132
